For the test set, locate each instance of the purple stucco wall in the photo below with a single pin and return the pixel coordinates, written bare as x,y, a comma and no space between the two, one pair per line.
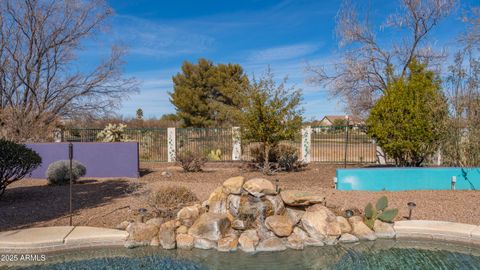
100,159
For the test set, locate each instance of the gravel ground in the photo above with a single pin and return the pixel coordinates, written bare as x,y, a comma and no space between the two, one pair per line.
107,202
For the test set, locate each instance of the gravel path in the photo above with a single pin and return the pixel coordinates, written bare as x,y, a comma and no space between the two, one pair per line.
107,202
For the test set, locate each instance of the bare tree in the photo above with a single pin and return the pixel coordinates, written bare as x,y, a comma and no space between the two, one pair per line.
368,63
39,81
462,87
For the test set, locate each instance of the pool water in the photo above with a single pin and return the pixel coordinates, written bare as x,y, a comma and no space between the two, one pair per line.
380,254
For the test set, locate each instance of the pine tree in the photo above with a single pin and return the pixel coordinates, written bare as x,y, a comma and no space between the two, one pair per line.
206,95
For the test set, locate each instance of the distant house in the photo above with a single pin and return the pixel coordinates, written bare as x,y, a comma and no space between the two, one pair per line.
340,120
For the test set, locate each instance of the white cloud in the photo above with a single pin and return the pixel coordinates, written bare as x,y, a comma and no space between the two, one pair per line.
282,53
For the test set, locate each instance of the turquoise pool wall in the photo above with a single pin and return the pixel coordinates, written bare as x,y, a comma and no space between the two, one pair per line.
395,179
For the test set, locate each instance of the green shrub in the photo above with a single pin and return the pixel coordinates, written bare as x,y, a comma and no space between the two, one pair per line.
191,161
408,121
16,161
58,172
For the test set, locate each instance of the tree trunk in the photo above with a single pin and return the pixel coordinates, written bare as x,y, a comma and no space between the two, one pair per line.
266,157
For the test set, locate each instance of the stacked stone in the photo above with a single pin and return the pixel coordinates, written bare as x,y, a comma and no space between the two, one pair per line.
252,216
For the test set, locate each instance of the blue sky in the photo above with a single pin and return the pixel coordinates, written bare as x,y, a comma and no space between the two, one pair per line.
286,35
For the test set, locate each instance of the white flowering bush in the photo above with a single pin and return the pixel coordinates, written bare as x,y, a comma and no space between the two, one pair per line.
113,133
58,172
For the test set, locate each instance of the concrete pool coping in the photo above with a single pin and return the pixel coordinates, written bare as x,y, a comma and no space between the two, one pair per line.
48,239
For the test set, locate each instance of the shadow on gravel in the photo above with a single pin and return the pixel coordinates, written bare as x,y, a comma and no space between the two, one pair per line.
22,206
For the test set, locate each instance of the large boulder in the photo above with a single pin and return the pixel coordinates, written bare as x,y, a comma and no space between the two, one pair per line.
210,226
228,243
320,222
217,202
141,232
259,187
233,204
360,230
166,234
383,229
295,215
184,241
233,185
297,239
202,243
277,204
248,240
280,225
344,224
187,215
271,244
252,207
300,198
348,238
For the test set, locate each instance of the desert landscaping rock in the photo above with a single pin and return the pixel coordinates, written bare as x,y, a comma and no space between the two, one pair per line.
295,215
210,226
360,230
155,242
123,225
233,185
300,198
294,241
277,204
227,244
383,229
141,232
182,229
188,215
348,238
344,224
217,202
259,187
238,224
201,243
280,225
166,235
271,244
233,204
248,240
319,222
184,241
155,221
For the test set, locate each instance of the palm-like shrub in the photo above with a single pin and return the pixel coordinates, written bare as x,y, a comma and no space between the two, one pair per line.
16,161
58,172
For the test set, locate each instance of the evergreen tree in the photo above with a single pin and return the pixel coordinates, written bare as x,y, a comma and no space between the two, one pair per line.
139,114
407,122
206,95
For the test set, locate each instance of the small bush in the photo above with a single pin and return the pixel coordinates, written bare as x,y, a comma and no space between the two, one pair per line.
283,157
58,172
191,161
113,133
16,161
168,200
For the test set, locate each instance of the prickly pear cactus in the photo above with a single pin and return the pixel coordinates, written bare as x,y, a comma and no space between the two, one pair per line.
379,212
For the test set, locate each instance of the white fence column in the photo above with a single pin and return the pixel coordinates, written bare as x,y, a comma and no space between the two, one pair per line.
237,144
58,135
381,158
306,142
171,145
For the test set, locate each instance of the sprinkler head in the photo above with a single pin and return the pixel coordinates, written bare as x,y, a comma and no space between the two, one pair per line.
348,213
